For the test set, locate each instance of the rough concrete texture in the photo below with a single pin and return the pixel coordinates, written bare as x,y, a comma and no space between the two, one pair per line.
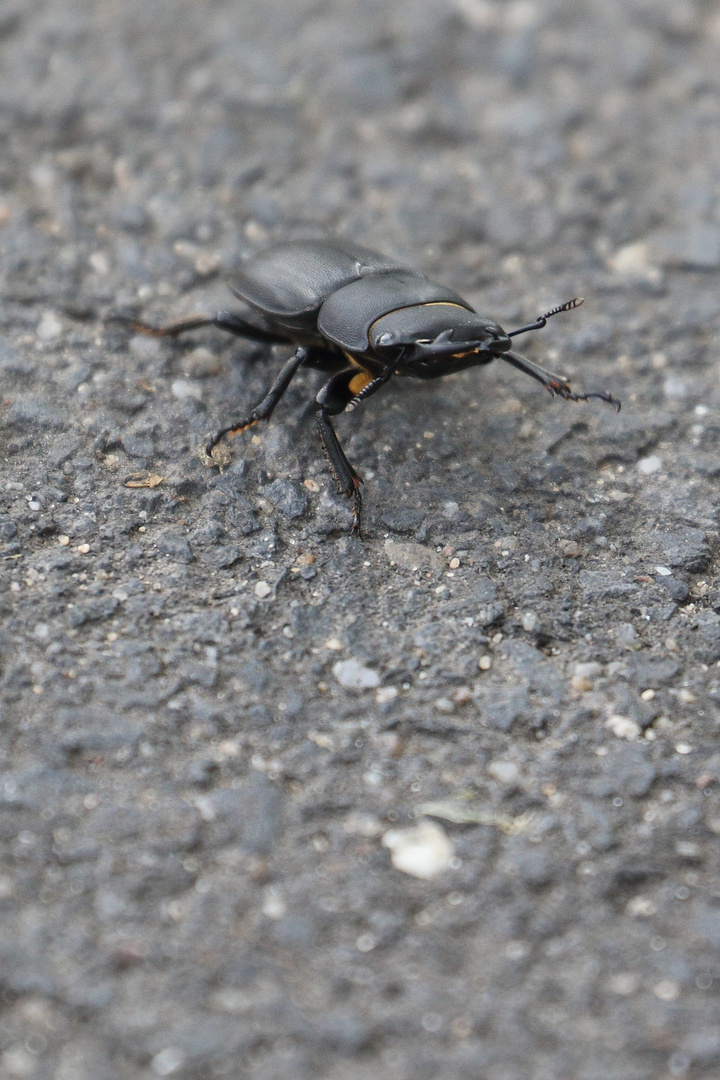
281,804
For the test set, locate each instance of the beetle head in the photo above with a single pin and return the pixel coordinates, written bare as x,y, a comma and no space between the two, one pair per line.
439,330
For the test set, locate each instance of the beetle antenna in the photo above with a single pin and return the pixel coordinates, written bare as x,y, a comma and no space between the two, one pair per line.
569,305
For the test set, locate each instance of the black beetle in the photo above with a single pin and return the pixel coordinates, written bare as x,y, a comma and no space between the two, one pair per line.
365,318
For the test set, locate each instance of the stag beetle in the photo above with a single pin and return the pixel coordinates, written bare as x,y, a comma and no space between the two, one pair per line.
363,317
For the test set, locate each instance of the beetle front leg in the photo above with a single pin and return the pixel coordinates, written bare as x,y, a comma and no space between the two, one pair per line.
555,383
342,392
265,408
347,479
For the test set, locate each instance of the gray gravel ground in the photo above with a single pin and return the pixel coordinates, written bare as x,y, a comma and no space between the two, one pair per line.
194,809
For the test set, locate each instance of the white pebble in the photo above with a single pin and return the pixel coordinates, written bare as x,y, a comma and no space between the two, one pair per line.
168,1061
590,670
386,694
422,851
186,388
273,905
666,990
504,771
623,727
634,262
650,464
49,326
663,571
262,589
642,906
352,674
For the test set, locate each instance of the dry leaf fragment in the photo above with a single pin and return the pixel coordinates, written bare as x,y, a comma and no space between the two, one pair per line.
144,480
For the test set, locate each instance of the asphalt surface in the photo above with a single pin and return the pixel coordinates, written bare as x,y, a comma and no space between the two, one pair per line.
234,738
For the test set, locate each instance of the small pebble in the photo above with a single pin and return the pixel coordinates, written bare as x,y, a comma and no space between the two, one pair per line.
354,676
454,563
647,695
580,685
589,670
623,727
366,943
49,326
63,540
649,464
642,906
273,905
485,663
423,851
84,549
186,388
384,694
683,748
444,705
262,590
504,771
334,644
168,1061
201,363
667,990
529,621
663,571
624,984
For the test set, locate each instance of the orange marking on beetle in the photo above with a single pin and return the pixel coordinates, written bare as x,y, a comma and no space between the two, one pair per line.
359,382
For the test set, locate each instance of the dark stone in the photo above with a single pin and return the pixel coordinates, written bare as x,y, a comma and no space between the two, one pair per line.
286,497
34,413
402,519
603,584
250,815
501,706
93,610
624,771
175,547
138,446
221,557
678,590
653,673
685,548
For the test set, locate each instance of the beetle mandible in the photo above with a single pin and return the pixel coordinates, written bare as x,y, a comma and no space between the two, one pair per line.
363,317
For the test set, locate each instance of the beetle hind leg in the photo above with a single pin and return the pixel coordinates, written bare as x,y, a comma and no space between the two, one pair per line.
222,320
556,384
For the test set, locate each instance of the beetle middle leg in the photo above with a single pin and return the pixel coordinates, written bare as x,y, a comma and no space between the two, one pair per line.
265,408
555,383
